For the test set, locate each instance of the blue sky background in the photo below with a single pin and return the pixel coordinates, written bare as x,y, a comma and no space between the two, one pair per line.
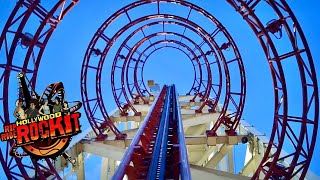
63,57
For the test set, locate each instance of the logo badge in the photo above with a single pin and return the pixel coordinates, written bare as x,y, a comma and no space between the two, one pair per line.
45,124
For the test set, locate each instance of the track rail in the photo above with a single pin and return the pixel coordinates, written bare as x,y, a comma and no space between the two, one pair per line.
137,152
163,153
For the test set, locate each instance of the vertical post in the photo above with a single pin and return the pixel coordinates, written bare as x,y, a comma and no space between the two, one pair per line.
230,161
112,167
79,167
104,169
184,162
58,164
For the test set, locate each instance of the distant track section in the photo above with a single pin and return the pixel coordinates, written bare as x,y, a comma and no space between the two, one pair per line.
158,150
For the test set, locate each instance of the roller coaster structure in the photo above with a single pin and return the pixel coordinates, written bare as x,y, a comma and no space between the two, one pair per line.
212,60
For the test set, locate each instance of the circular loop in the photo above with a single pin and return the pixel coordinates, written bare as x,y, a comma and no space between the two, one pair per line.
122,91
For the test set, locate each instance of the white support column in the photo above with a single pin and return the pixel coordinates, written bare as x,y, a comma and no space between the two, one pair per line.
205,155
79,167
112,166
214,161
230,161
58,164
251,165
201,129
104,169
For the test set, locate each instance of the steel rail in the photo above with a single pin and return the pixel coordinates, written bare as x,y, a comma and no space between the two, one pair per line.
185,173
121,170
158,160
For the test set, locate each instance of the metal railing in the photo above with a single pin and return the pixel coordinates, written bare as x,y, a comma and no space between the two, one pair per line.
184,163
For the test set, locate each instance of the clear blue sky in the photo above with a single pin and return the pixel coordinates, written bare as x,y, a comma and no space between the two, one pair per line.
63,57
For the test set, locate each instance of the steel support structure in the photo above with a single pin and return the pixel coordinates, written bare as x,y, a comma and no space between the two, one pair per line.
281,28
303,142
129,62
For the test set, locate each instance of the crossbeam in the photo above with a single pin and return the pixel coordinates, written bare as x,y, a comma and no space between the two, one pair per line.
190,140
